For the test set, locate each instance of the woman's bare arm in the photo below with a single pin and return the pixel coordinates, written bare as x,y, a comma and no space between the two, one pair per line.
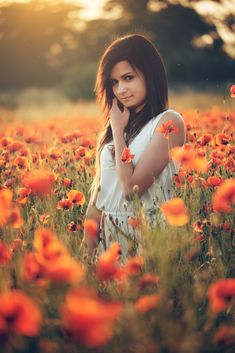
152,161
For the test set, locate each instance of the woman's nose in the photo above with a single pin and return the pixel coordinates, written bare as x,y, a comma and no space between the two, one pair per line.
121,88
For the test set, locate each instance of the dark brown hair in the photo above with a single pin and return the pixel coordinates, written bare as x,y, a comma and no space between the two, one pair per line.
140,52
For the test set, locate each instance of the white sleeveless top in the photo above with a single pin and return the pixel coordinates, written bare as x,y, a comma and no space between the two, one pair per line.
111,199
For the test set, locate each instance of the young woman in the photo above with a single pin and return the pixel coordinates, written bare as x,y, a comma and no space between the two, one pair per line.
131,86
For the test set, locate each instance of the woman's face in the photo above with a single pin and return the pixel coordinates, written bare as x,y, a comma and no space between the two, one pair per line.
128,85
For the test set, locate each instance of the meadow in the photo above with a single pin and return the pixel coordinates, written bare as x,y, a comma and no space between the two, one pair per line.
177,296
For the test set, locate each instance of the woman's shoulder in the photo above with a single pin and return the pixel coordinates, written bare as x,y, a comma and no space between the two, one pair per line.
165,116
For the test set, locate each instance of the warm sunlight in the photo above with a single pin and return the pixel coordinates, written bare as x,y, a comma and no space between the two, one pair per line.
92,9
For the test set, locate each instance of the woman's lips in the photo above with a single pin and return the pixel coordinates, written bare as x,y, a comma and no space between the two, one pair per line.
125,98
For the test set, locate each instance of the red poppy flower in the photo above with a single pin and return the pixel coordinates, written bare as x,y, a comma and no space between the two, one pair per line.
175,212
5,253
126,157
167,128
64,204
147,302
107,267
19,314
76,197
232,91
40,182
89,319
221,294
224,196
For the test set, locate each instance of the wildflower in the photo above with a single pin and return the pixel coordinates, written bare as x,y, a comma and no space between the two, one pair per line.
5,253
187,157
76,197
19,314
204,140
5,205
175,212
148,280
64,204
89,319
107,267
54,153
232,91
91,228
54,259
44,218
221,139
23,194
225,335
73,227
134,222
221,294
147,302
15,218
67,182
134,266
214,181
167,128
21,162
224,196
126,157
39,182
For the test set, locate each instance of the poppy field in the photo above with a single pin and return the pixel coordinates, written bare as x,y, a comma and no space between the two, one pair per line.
177,295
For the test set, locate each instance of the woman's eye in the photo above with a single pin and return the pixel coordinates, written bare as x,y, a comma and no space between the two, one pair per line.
129,77
113,82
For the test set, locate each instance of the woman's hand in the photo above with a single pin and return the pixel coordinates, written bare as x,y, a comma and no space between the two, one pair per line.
118,119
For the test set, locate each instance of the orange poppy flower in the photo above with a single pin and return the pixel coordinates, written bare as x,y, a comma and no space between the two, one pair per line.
148,280
54,258
134,222
33,270
221,294
225,335
5,253
232,91
221,139
76,197
224,196
126,157
23,194
15,146
67,182
134,266
86,142
54,153
5,205
167,128
80,152
188,158
204,140
107,267
214,181
19,314
15,219
91,228
175,212
40,182
88,319
44,218
21,162
64,204
17,244
147,302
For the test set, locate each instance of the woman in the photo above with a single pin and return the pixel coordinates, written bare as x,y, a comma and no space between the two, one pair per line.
131,86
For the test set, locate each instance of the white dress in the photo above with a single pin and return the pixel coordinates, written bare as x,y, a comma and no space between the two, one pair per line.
115,208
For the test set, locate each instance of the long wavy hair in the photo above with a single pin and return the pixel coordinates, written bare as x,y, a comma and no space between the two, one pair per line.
141,53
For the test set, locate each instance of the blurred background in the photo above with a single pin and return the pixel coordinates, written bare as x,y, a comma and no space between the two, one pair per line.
50,49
